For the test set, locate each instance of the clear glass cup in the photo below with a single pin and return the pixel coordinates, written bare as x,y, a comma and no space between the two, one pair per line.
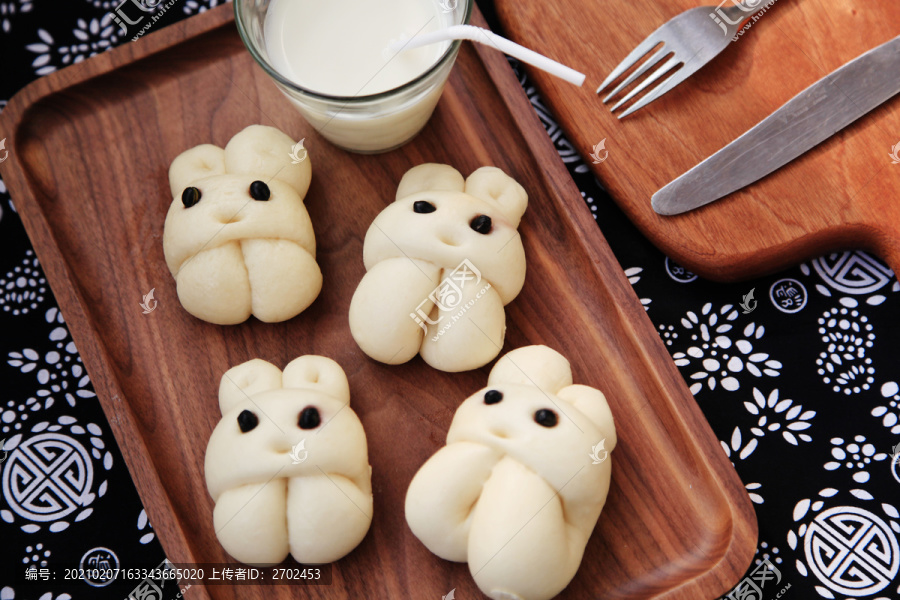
367,124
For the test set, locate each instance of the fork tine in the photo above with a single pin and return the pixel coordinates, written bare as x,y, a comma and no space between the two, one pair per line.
643,48
686,71
651,62
660,72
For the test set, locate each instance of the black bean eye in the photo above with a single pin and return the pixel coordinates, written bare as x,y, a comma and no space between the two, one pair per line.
309,418
259,191
190,196
247,421
492,397
481,224
423,207
545,418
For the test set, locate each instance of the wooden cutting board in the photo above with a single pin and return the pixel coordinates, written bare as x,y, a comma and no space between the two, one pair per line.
678,523
842,194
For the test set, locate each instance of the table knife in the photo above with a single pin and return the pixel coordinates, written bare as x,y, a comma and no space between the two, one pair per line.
810,118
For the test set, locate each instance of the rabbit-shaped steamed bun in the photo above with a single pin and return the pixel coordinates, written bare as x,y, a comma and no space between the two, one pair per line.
237,238
442,261
519,486
287,466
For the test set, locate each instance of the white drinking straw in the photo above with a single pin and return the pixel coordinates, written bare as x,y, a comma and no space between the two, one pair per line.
477,34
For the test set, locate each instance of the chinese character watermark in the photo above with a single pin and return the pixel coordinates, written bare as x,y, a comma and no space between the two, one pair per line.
753,19
148,303
121,18
751,587
296,457
298,153
748,304
596,158
151,588
448,296
599,453
720,16
146,6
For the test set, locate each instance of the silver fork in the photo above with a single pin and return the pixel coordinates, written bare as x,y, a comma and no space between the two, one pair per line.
692,39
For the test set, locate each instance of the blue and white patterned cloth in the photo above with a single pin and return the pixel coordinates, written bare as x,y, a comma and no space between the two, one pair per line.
802,390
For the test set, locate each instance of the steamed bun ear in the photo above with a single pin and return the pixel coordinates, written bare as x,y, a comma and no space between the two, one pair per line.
249,378
430,177
265,153
195,164
317,373
533,365
592,403
496,187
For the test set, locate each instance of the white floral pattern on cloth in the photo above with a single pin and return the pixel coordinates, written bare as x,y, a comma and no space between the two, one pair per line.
779,415
49,476
634,276
143,523
889,413
851,549
668,334
13,416
60,372
7,593
775,416
192,7
592,204
766,552
24,288
89,37
856,455
105,4
738,446
852,272
753,492
9,9
35,556
714,358
848,336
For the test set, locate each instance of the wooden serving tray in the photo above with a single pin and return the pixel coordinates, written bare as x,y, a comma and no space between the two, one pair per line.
841,194
678,523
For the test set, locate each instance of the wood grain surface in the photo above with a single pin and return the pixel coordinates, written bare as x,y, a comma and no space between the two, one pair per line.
89,152
843,194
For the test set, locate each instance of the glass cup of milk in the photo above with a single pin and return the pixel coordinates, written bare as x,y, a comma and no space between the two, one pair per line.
331,59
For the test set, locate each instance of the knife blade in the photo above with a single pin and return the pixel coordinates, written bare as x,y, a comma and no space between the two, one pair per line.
808,119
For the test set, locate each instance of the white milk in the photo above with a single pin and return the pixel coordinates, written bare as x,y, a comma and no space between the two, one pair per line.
339,47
